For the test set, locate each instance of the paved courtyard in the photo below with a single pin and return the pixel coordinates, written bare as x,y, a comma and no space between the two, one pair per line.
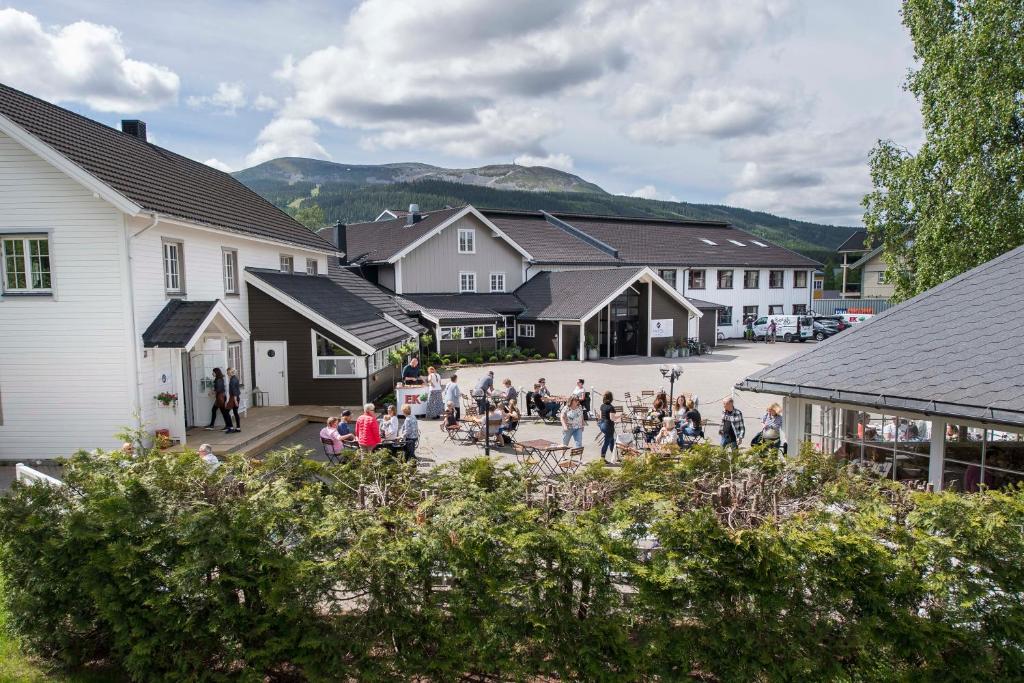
709,377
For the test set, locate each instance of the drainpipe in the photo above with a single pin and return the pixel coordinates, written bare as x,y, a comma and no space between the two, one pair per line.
133,324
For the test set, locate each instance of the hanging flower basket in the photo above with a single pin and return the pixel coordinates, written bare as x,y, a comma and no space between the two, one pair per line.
167,399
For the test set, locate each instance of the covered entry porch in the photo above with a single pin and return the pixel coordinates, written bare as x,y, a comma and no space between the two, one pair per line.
185,343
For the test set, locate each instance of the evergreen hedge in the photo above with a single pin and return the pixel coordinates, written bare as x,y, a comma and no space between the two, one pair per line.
710,565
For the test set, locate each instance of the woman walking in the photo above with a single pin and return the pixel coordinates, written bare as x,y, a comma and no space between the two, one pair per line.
572,422
220,401
234,398
435,402
606,425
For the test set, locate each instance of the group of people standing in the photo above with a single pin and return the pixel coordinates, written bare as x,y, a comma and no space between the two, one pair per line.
227,395
370,433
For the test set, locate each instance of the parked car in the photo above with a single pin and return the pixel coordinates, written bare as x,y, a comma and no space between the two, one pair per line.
786,327
824,329
839,320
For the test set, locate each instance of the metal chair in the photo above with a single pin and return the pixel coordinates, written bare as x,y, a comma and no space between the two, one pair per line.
526,457
328,447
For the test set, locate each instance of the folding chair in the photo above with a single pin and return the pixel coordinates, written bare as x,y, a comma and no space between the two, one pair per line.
329,453
570,463
526,457
625,451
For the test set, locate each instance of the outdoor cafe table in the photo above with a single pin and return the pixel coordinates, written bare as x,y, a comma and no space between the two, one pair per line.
547,453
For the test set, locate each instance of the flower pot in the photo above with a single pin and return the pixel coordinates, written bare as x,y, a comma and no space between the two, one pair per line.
592,354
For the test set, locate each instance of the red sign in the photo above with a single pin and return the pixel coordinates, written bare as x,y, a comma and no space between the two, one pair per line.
860,310
412,399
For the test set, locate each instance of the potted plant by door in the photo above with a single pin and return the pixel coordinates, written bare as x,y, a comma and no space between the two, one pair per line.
670,351
591,343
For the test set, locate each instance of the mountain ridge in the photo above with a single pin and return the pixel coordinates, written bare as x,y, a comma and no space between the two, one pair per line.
319,192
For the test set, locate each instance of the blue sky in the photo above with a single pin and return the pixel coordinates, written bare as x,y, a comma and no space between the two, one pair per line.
765,104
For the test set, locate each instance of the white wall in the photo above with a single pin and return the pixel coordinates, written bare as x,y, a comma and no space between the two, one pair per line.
204,281
738,297
65,361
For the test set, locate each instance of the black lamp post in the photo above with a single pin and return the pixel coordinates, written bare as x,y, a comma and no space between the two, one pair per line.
671,373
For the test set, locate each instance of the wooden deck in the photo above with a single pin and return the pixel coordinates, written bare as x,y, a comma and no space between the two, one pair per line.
260,427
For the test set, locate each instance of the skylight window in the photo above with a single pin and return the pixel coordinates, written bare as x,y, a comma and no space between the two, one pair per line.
760,244
738,244
707,241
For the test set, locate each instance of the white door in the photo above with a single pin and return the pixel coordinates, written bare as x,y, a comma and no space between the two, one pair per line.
272,371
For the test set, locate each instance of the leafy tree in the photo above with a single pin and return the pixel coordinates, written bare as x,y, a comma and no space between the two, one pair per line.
312,216
959,200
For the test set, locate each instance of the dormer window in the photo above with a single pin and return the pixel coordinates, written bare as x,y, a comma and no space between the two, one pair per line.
312,266
287,264
467,241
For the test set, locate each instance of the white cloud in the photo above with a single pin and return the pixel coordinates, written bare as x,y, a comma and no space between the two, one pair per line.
228,97
721,113
218,164
287,138
264,103
563,162
80,62
645,192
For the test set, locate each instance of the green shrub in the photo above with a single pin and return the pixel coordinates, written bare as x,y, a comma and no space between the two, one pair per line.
552,355
446,360
463,360
765,569
493,359
537,356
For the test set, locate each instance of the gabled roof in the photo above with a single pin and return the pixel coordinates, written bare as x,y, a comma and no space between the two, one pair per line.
179,323
153,178
866,257
951,351
570,294
176,323
378,241
855,243
640,241
384,300
327,303
465,306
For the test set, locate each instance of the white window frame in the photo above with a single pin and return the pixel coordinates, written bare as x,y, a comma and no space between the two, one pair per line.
179,261
312,266
464,290
496,290
26,262
313,334
470,235
229,259
289,260
467,331
239,365
819,285
528,330
379,360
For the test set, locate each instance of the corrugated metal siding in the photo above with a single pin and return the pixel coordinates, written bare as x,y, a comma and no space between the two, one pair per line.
829,306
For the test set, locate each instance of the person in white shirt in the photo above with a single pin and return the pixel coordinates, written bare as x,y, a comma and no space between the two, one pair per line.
895,430
452,395
207,456
579,390
435,402
389,424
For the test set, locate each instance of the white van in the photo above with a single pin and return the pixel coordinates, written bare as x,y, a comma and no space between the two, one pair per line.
785,327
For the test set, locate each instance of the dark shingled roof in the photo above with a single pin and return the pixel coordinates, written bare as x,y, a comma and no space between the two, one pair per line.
380,240
702,305
952,351
570,294
642,241
383,299
176,323
336,303
855,242
154,178
466,306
